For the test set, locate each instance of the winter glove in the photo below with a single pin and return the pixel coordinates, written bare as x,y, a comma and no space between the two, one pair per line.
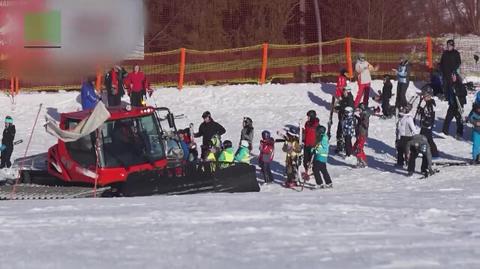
2,147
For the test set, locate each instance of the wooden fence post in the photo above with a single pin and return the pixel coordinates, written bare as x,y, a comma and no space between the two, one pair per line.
263,75
429,52
348,56
181,72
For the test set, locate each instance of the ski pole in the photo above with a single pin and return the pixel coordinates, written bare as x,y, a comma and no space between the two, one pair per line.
26,151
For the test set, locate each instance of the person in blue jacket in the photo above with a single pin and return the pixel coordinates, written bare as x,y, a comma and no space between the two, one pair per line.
88,95
474,119
320,152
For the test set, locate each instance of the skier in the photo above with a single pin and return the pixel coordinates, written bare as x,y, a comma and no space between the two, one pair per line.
406,129
309,138
88,95
419,144
456,97
292,148
114,83
207,130
243,153
227,154
426,115
247,132
474,119
385,96
362,134
363,68
449,64
320,152
137,86
341,83
346,100
349,124
402,73
7,143
267,147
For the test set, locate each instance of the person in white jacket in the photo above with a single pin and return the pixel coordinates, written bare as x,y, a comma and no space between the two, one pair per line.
406,129
363,69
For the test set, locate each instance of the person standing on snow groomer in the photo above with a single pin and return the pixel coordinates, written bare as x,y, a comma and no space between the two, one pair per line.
457,98
88,95
113,82
7,143
449,64
207,130
137,84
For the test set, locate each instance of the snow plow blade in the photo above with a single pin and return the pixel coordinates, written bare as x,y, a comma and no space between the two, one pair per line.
192,178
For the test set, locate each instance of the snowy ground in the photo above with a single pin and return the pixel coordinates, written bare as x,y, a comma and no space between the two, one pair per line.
373,218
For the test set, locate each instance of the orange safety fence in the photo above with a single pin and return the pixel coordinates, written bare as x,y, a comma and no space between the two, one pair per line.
266,63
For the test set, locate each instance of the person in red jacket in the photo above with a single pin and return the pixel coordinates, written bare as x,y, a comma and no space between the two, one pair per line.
137,85
267,146
341,83
310,138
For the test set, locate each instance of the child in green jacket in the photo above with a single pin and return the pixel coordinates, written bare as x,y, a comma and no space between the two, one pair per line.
243,153
320,152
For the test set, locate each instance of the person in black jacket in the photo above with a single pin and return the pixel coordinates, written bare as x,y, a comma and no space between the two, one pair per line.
386,95
114,85
346,100
207,130
426,118
7,143
449,63
457,98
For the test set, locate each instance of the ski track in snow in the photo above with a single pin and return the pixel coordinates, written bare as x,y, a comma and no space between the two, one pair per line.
373,218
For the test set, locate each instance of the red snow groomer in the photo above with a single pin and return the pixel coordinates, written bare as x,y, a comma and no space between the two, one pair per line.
135,152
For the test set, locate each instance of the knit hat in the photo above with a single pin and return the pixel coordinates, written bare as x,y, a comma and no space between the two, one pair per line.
8,119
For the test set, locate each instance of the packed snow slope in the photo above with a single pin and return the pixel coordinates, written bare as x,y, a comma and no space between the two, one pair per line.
373,218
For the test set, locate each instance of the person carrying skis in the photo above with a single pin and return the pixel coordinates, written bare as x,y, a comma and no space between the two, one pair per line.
349,124
474,119
363,69
207,130
406,129
87,93
7,143
243,153
114,84
346,100
363,119
320,152
247,132
403,73
227,154
385,96
449,64
457,98
292,148
267,147
419,145
309,138
426,118
341,83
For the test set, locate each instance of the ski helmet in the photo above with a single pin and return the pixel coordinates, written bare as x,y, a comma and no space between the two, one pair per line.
293,131
427,91
266,135
8,119
321,130
311,114
227,144
206,114
247,122
244,143
348,110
